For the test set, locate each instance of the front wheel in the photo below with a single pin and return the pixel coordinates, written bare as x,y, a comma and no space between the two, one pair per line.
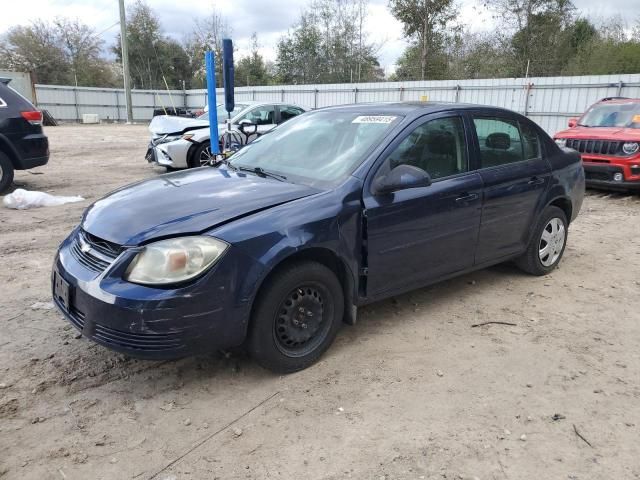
202,156
296,317
547,244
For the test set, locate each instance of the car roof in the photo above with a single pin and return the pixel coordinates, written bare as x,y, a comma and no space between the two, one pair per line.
251,103
619,100
414,108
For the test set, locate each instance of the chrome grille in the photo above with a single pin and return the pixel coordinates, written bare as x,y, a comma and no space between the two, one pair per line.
93,252
104,247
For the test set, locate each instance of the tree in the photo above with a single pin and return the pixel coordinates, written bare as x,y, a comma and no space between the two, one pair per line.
153,58
36,49
207,36
608,50
328,44
83,52
409,65
251,70
425,22
61,52
539,28
299,54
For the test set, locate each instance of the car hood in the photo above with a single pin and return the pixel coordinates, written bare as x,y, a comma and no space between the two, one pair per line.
601,133
163,124
184,203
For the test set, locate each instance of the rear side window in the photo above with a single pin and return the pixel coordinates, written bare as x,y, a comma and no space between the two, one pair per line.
530,142
287,112
264,115
500,141
12,99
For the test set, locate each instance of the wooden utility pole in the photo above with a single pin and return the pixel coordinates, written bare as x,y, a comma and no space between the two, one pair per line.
125,62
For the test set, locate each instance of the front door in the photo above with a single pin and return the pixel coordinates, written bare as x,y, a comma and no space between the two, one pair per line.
418,235
263,116
515,176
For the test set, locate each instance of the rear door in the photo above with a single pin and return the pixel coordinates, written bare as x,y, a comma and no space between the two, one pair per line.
515,176
418,235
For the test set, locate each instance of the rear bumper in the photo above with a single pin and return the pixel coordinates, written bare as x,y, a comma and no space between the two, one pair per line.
27,163
602,176
31,150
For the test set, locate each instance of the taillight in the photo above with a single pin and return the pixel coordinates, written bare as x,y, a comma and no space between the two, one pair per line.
34,117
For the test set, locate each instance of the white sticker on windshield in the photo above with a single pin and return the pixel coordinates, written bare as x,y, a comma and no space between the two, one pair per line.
374,119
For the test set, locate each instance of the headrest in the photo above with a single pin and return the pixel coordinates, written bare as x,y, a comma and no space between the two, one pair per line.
498,141
441,142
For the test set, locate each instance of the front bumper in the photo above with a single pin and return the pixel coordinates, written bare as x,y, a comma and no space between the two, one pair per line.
602,176
148,322
170,154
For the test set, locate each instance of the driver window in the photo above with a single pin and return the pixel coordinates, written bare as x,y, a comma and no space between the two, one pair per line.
437,147
264,115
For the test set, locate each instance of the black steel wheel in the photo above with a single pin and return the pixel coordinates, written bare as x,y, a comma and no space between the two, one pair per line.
300,323
296,317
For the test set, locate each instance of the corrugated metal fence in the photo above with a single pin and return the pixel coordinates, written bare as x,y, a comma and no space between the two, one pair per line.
549,101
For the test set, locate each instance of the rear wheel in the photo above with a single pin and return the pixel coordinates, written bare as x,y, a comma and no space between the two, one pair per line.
296,317
6,172
547,244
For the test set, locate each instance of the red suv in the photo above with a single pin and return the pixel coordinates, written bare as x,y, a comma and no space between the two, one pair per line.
608,139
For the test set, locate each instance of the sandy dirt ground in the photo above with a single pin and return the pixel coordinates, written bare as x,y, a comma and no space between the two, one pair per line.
412,391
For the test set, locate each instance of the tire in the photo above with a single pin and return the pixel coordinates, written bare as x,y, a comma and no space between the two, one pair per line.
296,317
6,172
200,155
547,243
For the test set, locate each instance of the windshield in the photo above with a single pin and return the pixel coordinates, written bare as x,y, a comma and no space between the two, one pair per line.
319,148
222,113
624,115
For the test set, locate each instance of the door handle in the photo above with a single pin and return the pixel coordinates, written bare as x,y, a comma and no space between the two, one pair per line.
467,197
535,181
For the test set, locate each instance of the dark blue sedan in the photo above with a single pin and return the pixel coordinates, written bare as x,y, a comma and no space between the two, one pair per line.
332,210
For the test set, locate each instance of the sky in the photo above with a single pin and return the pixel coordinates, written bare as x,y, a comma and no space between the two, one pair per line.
269,19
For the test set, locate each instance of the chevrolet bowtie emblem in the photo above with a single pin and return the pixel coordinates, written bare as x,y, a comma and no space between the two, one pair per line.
84,247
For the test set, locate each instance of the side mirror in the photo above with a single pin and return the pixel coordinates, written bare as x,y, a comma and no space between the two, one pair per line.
401,178
573,122
246,127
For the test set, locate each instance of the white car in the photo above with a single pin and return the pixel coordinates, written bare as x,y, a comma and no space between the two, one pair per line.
178,142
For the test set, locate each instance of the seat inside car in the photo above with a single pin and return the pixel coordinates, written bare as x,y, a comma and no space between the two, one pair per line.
440,154
497,150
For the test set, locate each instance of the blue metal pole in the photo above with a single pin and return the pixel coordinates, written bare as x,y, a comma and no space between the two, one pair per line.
210,63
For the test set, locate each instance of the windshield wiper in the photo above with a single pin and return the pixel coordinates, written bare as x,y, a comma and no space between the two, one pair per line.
225,161
262,173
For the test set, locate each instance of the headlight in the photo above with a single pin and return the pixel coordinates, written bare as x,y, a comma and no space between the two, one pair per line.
630,148
561,142
174,260
167,139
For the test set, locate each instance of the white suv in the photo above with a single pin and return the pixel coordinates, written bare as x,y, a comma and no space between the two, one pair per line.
178,142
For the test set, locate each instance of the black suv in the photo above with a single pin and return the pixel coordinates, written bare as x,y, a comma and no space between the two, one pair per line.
22,143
